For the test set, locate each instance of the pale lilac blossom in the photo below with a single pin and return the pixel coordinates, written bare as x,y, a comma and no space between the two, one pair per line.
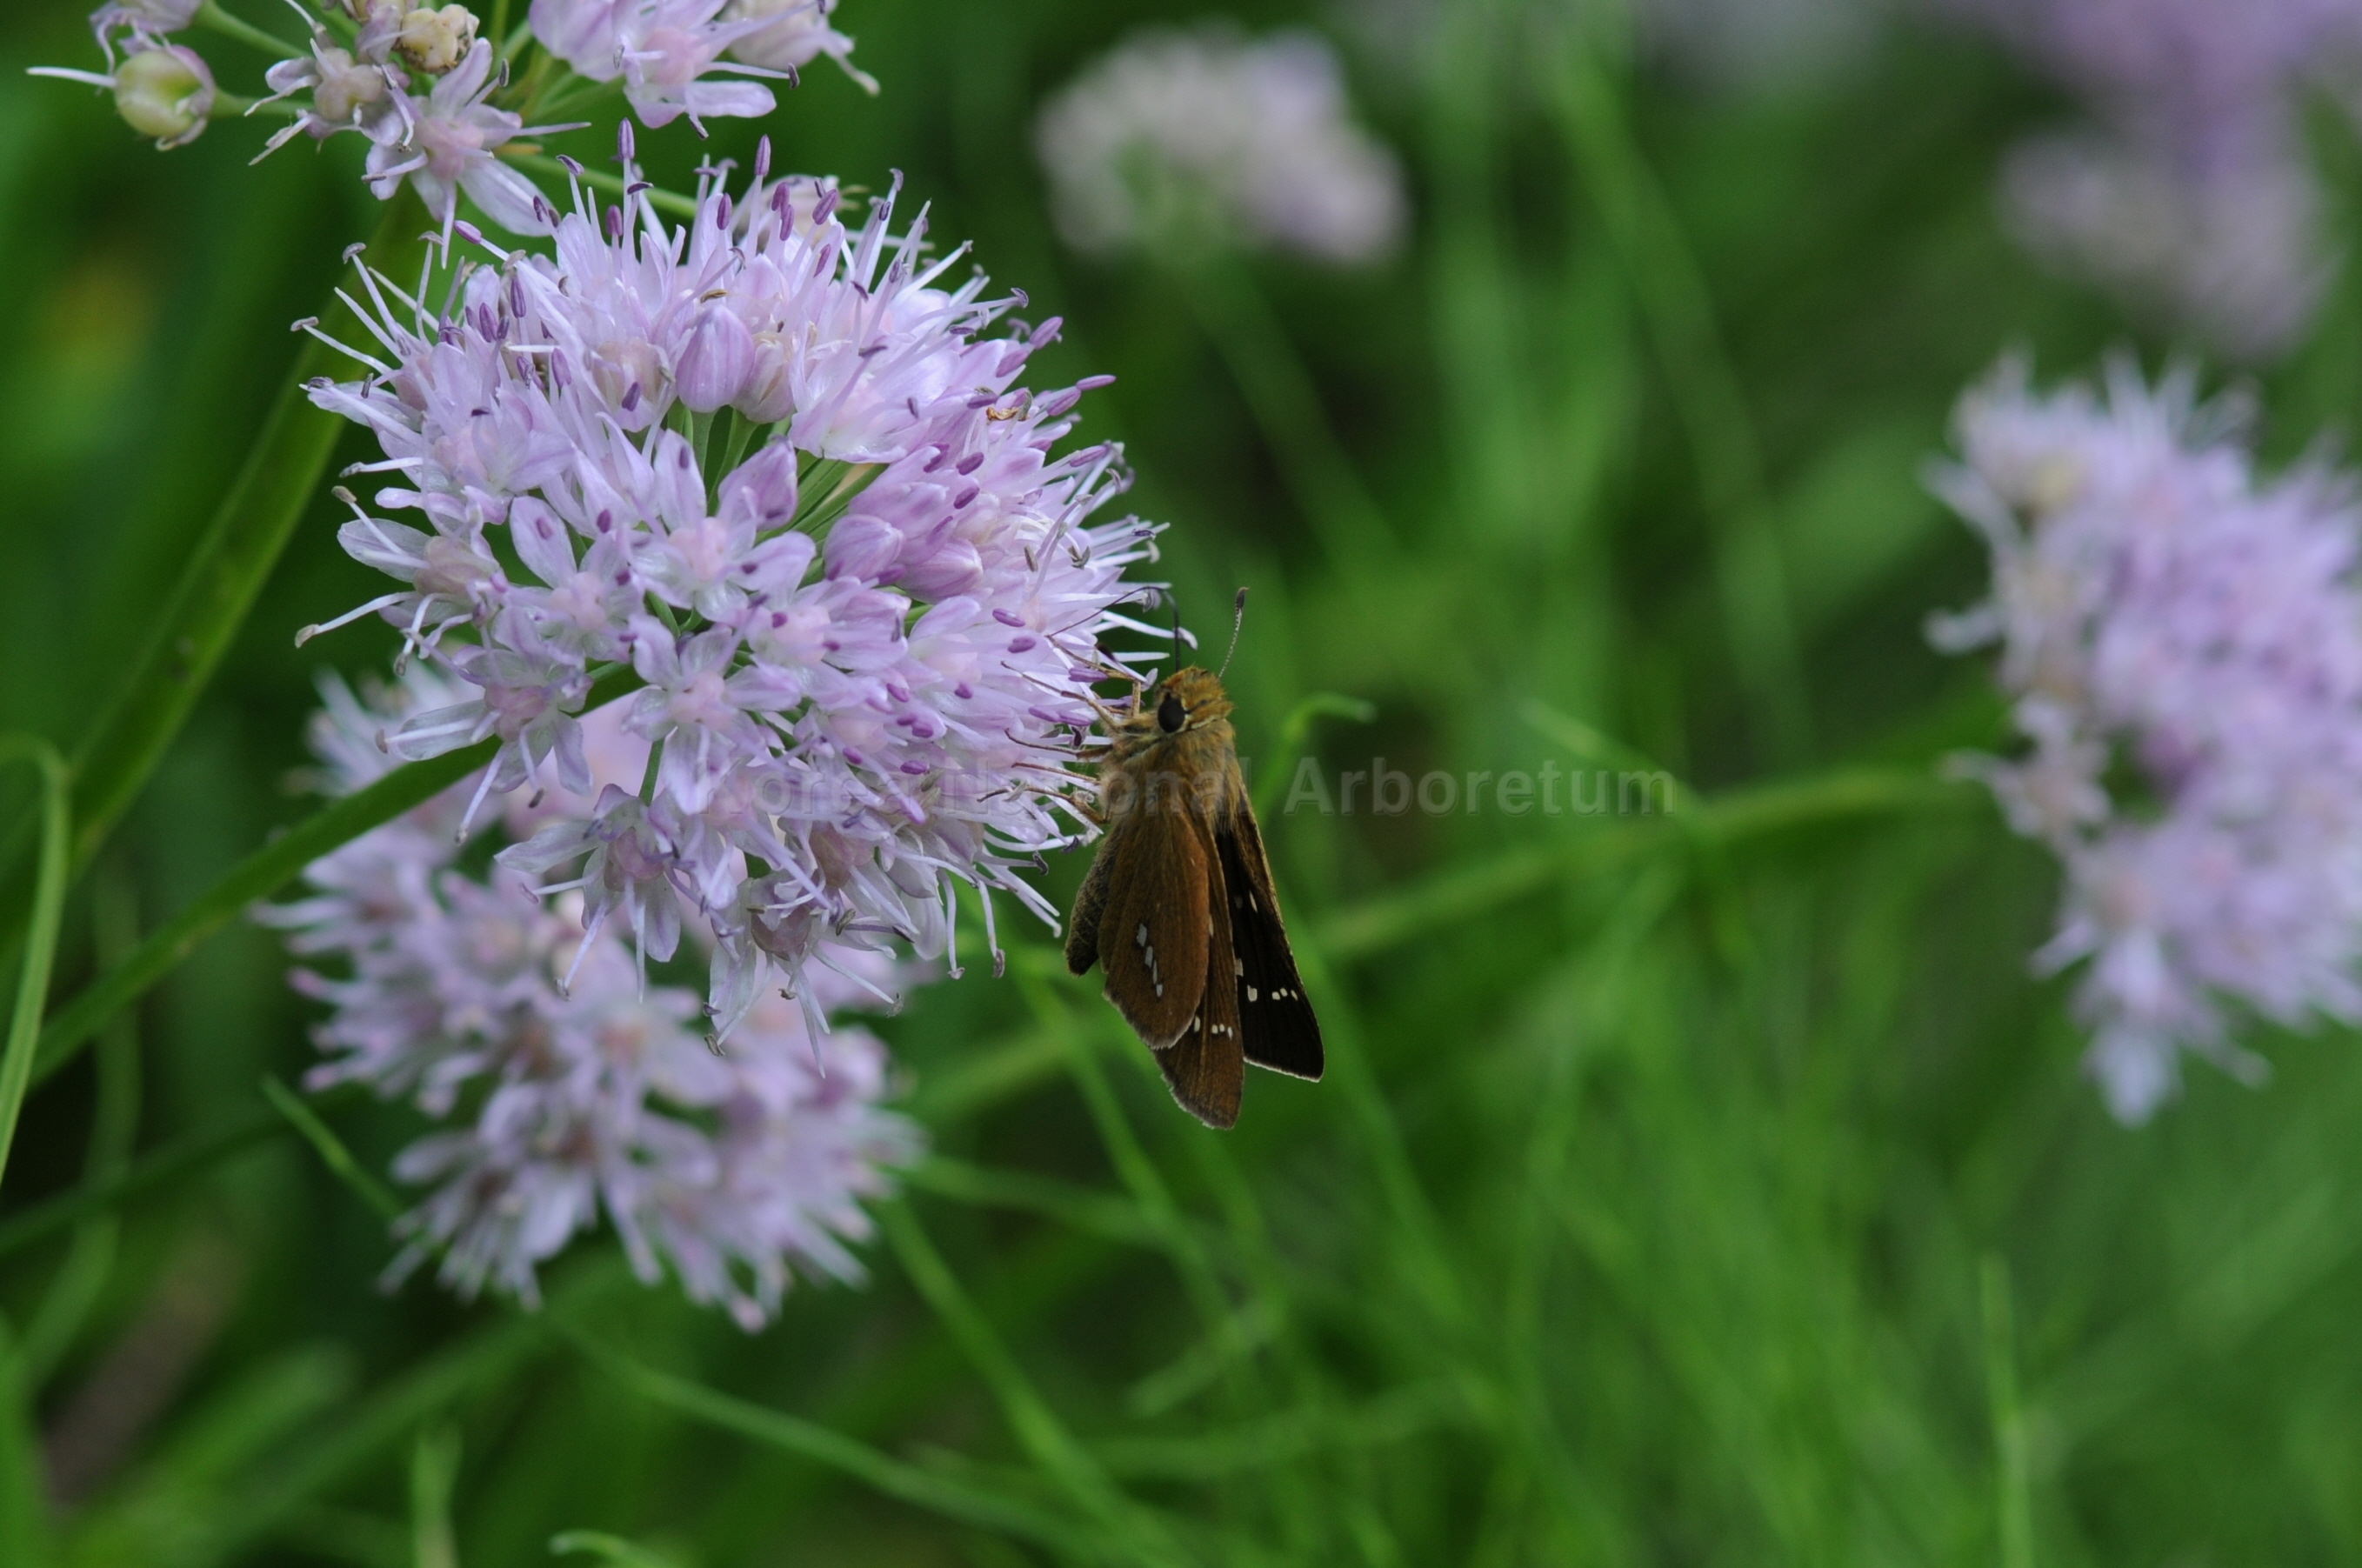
666,52
777,469
146,21
564,1103
449,142
2160,610
1178,140
796,33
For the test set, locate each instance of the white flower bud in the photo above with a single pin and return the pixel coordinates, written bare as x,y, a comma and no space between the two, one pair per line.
434,41
166,92
715,360
768,394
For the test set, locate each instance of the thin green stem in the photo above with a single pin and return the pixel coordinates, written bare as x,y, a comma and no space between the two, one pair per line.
607,1547
1728,820
655,767
164,1167
114,1126
894,1478
211,16
263,873
330,1148
2013,1499
1279,391
670,202
1295,730
257,877
433,1469
228,567
41,930
1674,302
1038,1431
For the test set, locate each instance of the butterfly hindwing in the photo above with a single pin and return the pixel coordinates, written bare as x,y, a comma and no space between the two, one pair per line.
1205,1068
1278,1029
1153,933
1090,905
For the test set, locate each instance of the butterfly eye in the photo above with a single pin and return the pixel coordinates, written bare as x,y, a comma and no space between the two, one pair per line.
1171,715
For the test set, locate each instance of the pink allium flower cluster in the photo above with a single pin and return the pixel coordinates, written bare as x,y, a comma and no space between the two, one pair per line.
2194,197
1178,139
566,1100
770,465
2160,607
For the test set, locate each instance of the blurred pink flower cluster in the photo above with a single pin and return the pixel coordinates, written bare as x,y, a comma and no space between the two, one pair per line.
568,1101
2183,643
1179,140
2191,195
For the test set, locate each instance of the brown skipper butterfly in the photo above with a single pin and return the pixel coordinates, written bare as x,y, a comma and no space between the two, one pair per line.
1179,906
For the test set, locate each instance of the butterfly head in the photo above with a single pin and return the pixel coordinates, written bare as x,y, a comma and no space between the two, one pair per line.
1187,707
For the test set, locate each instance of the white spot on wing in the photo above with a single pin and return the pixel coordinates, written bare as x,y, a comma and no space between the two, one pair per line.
1251,993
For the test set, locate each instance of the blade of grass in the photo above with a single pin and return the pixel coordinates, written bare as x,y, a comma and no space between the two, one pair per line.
331,1149
1679,311
41,930
1293,731
24,1502
434,1470
229,563
263,873
607,1547
2011,1495
1253,344
1077,1206
1222,1323
385,1416
1764,810
165,1166
808,1439
1038,1432
115,1125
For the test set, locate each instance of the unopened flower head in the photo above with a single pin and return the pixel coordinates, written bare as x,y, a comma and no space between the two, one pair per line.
432,41
2195,200
2159,607
161,90
1179,138
770,468
562,1103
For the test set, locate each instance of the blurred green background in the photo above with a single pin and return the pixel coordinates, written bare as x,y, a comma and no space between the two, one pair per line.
1728,1194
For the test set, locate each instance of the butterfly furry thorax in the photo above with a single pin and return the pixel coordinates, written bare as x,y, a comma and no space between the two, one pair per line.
1179,907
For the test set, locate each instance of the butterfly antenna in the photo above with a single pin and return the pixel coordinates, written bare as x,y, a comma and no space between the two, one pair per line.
1238,622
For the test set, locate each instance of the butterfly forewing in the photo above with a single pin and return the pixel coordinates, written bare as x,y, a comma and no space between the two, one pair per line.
1205,1068
1277,1027
1152,929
